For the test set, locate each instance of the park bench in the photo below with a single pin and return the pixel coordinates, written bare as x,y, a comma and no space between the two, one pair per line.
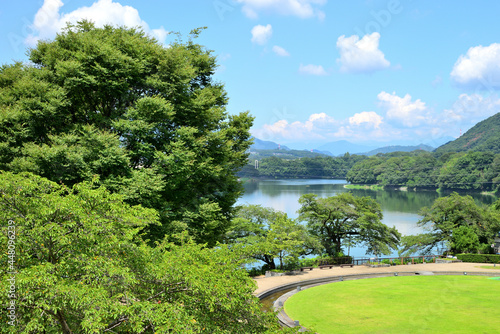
346,264
326,266
305,268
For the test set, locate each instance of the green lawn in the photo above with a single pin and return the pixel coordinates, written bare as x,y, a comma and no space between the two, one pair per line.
403,304
490,267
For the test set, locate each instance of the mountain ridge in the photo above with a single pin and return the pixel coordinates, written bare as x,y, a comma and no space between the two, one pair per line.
484,136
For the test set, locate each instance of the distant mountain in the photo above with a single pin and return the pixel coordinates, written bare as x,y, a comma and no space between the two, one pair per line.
283,154
484,136
265,145
343,146
439,141
399,148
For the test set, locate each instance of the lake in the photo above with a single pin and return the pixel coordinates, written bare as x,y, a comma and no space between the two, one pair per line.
400,208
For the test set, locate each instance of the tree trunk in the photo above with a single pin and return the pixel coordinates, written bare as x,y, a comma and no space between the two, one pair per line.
64,324
269,260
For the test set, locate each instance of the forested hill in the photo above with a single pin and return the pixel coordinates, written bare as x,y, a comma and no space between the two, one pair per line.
482,137
399,148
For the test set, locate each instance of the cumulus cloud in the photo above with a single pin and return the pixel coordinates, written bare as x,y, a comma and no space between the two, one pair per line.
403,120
321,128
261,34
403,109
369,118
280,51
317,126
312,70
471,109
361,55
49,19
479,68
299,8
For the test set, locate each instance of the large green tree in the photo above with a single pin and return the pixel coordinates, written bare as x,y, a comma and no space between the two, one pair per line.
149,120
268,235
345,218
456,223
74,262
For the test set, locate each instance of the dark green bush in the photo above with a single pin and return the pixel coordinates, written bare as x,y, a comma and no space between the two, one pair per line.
309,262
479,258
335,260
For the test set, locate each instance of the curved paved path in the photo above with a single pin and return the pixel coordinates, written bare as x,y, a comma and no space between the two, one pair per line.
267,283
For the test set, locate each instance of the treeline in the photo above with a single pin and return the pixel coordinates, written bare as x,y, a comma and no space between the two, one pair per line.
461,171
316,167
479,171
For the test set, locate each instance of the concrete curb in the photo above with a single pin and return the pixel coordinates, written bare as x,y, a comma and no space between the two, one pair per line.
286,321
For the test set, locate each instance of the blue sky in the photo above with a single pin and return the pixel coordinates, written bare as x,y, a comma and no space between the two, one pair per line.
315,71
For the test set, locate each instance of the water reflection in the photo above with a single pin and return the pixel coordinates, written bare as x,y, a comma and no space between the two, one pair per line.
400,208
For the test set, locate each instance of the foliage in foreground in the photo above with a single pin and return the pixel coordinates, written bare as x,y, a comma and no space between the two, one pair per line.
149,120
82,267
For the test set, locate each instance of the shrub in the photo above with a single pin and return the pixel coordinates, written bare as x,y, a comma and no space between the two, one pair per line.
309,262
335,260
479,258
255,271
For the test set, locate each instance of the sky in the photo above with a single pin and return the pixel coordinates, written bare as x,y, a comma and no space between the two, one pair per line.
373,72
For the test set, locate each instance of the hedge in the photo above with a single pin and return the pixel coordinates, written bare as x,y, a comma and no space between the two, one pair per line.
479,258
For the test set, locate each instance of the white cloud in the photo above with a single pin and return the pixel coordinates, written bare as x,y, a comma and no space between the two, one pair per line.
317,126
49,19
470,109
479,68
312,70
299,8
404,121
361,56
261,34
321,128
403,109
369,118
280,51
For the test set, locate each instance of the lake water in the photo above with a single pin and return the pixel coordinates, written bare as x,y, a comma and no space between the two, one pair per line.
400,208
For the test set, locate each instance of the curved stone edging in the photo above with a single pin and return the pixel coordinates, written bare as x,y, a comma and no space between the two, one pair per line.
286,321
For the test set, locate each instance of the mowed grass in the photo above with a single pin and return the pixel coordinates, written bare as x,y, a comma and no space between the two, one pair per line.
490,267
402,304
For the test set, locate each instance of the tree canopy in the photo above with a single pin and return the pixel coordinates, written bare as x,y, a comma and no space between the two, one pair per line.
461,171
149,120
81,266
456,223
345,218
269,235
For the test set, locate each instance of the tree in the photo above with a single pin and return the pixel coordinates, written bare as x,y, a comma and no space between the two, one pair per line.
268,235
346,218
77,264
149,120
457,214
464,240
468,171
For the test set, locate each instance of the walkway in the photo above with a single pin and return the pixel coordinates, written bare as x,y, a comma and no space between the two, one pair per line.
267,283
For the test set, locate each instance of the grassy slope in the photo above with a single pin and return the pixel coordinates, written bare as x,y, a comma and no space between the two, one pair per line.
413,304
